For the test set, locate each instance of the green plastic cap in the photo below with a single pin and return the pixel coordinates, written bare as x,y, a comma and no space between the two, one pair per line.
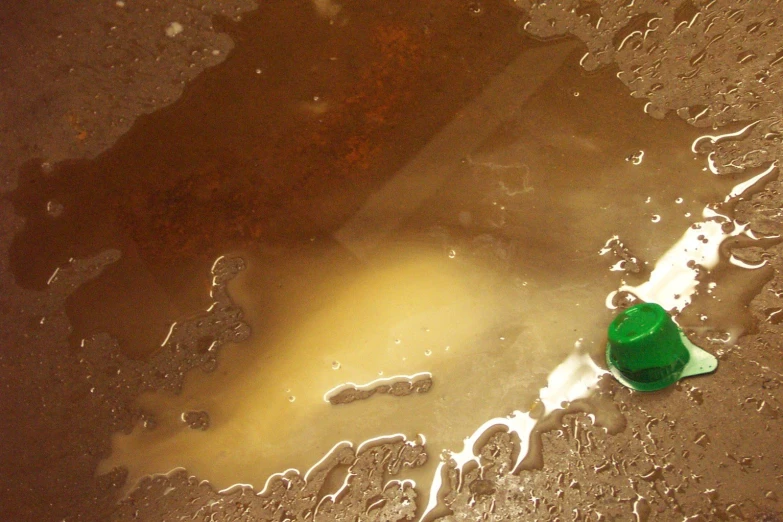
648,352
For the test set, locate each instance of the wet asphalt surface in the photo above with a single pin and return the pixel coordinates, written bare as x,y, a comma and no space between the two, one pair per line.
75,78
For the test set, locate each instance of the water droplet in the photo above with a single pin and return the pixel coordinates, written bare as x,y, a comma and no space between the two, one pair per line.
636,157
336,365
174,29
54,208
149,422
196,420
774,315
702,439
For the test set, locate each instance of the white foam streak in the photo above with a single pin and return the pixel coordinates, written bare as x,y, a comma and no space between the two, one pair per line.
673,281
574,378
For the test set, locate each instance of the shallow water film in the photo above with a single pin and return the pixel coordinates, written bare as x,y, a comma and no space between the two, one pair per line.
321,260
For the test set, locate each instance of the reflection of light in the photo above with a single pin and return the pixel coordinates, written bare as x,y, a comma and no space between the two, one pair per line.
383,439
734,260
718,137
674,279
715,139
394,379
572,379
340,445
740,189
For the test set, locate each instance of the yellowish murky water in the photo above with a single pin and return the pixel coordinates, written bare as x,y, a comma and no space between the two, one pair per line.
478,263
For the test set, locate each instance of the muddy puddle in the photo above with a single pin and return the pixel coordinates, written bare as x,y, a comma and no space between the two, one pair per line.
426,233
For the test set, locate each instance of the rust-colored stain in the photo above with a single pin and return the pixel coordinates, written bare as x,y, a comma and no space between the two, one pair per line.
330,154
245,159
381,90
80,132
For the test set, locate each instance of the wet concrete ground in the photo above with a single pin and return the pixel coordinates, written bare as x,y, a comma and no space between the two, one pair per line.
282,144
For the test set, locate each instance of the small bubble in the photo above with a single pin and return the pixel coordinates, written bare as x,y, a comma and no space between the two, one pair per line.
448,348
259,71
291,398
678,200
397,341
47,167
475,8
427,352
216,52
648,199
336,365
380,374
576,94
656,218
452,254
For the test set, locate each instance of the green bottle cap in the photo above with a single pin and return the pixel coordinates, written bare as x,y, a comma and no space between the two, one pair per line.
648,352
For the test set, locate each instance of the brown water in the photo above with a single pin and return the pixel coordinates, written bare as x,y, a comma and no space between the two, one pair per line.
404,206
